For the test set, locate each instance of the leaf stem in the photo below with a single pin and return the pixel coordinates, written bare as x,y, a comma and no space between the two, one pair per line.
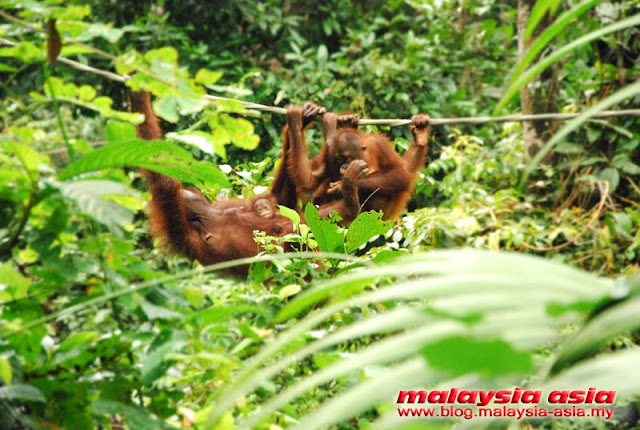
56,108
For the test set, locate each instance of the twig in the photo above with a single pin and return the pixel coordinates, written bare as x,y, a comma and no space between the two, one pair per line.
56,109
633,185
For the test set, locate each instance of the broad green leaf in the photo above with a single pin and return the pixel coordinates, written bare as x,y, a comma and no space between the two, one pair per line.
624,163
120,132
29,158
26,52
616,321
86,93
98,29
386,256
200,139
190,104
208,77
537,13
21,392
611,175
166,53
323,54
158,312
241,132
229,106
13,282
72,50
489,358
167,109
154,362
27,344
126,64
72,12
162,157
81,339
329,236
91,196
55,85
216,315
6,373
290,213
288,291
615,371
363,228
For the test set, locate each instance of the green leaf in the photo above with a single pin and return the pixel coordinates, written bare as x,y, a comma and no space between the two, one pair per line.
323,54
290,213
98,29
489,358
611,175
363,228
241,132
386,256
27,344
330,237
72,12
616,371
616,321
81,339
26,52
120,131
207,77
13,282
158,312
167,108
28,157
72,50
21,392
90,196
569,148
6,372
154,362
592,160
288,291
537,13
162,157
624,163
216,315
86,93
166,53
199,139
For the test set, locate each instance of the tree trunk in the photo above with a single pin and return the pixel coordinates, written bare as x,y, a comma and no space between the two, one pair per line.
532,131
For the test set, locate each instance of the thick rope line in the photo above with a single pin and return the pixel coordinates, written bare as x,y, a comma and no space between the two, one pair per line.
380,122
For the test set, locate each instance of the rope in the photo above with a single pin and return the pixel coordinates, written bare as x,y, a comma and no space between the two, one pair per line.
379,122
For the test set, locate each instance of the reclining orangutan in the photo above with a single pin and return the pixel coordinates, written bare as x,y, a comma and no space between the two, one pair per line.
186,222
